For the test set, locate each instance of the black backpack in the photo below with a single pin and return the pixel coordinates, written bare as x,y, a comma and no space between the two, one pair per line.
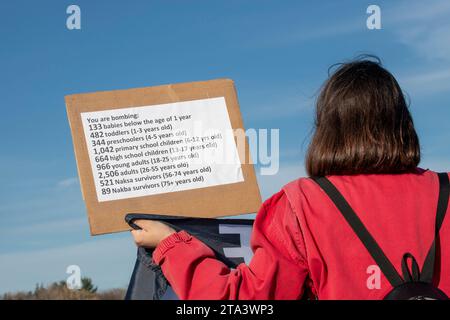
415,284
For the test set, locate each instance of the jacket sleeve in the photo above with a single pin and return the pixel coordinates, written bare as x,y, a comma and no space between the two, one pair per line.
277,270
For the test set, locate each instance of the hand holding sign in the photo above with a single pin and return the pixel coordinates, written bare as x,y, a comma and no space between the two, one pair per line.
151,233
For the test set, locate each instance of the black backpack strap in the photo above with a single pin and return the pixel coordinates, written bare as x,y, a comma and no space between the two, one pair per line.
444,193
363,234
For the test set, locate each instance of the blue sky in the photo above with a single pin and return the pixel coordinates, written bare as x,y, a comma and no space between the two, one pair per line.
277,52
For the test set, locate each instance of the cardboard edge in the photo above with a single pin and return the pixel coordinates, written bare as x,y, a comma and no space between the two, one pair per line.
200,82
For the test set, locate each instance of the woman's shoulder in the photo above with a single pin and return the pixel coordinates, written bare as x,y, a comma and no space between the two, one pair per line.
299,186
306,187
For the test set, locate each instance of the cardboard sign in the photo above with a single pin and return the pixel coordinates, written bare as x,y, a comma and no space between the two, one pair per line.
168,150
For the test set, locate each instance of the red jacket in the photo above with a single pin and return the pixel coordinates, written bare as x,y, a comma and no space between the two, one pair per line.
303,246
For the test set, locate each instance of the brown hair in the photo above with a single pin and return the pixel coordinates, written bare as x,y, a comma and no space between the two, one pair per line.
362,124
